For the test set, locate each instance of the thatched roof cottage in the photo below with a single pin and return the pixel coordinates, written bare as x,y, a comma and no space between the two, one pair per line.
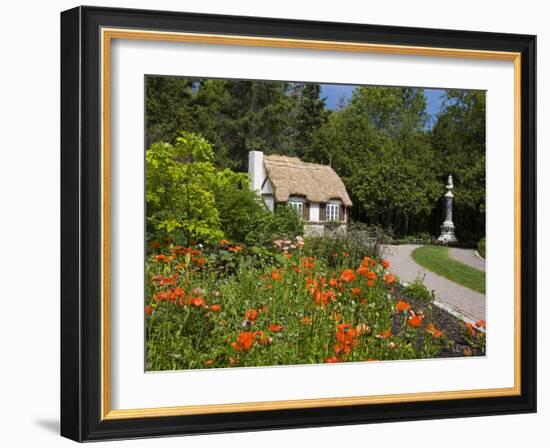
314,190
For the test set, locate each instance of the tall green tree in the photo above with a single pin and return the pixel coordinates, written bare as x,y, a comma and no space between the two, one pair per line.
180,190
458,137
378,144
168,107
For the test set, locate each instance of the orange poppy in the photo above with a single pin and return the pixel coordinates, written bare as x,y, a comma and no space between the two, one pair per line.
275,328
367,261
363,270
332,359
402,306
481,324
198,301
215,308
371,283
415,321
261,337
235,249
244,342
224,242
384,334
432,329
355,291
306,320
199,261
276,275
148,310
389,278
347,276
251,315
385,264
346,337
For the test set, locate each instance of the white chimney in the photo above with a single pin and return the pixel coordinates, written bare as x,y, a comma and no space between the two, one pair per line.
256,170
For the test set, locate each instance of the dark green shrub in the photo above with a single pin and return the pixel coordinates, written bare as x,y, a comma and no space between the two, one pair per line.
481,247
417,290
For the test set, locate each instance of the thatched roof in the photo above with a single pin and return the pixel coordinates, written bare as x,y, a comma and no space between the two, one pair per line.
290,176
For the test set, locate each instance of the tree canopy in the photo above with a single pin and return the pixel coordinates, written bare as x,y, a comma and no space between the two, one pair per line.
393,164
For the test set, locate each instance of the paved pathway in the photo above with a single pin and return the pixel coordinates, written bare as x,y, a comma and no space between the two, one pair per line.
461,301
467,256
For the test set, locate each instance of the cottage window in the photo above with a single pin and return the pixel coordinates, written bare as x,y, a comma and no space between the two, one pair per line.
298,206
333,212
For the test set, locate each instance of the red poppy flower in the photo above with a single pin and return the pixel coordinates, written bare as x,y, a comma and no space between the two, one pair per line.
389,278
347,276
244,342
215,308
198,301
415,321
481,324
402,306
251,315
332,359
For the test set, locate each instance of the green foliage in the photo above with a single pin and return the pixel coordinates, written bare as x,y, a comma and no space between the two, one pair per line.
345,249
190,200
393,165
458,137
417,290
436,259
379,146
481,248
180,190
235,116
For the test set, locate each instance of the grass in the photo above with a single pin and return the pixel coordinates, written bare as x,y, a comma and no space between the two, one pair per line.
436,259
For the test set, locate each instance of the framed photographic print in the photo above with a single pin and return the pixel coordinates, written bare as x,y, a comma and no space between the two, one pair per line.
274,224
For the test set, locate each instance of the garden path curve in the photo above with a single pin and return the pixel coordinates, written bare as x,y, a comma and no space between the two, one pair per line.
457,299
467,256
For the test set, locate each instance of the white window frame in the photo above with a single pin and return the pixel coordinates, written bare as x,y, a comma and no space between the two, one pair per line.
298,206
332,212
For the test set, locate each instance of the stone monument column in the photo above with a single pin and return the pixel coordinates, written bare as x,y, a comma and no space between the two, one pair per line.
448,227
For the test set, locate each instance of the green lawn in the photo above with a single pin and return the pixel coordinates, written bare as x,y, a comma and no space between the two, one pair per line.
436,259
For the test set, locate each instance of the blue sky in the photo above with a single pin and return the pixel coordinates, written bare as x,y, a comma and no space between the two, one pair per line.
333,93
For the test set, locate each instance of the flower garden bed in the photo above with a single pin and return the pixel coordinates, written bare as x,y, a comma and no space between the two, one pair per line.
229,305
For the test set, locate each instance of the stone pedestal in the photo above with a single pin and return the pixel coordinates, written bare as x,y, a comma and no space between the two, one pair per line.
448,227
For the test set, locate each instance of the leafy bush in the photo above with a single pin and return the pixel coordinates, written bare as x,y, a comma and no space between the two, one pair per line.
418,238
189,200
180,184
345,248
417,290
481,247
